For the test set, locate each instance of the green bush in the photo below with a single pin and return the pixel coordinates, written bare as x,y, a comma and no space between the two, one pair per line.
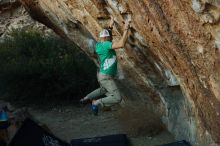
36,67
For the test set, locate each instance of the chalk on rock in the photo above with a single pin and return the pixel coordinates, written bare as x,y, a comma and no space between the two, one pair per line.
217,43
197,6
91,44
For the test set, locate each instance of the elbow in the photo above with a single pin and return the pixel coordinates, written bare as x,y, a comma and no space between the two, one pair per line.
118,45
122,44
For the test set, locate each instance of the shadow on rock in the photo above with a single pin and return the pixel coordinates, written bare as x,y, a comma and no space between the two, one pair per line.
139,121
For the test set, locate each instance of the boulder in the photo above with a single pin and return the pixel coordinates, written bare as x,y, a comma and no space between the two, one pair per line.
171,61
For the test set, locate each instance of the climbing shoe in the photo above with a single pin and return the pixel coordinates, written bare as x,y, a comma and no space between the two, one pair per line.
94,109
81,101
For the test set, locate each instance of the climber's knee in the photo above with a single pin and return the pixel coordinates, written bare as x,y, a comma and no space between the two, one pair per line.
117,96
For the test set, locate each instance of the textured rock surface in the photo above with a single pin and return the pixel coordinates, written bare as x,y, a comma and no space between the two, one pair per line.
171,61
14,16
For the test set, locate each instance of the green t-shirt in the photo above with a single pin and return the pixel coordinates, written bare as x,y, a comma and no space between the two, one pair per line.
107,58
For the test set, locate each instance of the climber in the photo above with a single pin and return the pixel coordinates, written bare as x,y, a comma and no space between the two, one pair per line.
105,50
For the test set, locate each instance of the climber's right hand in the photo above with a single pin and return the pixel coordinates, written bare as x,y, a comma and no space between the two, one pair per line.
127,25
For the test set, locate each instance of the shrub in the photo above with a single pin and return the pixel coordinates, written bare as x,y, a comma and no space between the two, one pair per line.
39,67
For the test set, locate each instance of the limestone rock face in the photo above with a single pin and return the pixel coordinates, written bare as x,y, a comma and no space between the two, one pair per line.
171,61
14,16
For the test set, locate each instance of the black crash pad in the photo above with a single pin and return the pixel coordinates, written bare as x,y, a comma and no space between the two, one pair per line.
178,143
110,140
31,134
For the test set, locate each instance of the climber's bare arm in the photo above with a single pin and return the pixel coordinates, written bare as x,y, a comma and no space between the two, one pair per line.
122,41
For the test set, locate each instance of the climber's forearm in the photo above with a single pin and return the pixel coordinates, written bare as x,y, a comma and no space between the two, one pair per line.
124,37
122,41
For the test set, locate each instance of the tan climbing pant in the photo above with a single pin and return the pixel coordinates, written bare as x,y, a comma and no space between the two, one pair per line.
108,88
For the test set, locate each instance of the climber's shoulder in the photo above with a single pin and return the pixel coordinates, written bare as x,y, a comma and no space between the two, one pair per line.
104,45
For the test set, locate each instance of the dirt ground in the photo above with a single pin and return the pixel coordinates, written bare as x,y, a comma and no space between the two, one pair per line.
73,122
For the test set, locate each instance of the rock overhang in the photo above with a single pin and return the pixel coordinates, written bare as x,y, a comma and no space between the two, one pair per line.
172,45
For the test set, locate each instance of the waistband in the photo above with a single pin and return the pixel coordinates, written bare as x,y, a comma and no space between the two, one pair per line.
102,76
